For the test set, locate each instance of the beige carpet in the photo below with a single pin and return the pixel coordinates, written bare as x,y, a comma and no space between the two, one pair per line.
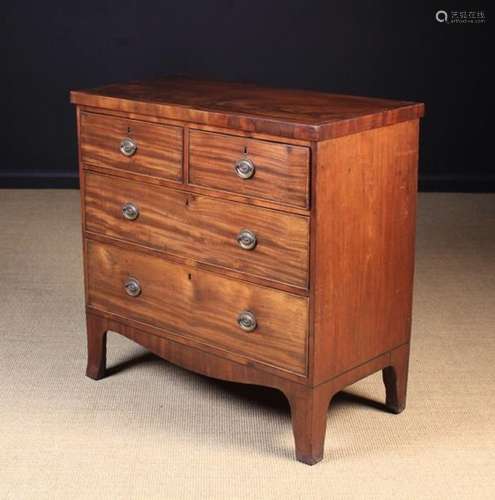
152,430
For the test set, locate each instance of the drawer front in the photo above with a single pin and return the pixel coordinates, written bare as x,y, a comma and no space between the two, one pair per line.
200,227
158,147
199,305
281,172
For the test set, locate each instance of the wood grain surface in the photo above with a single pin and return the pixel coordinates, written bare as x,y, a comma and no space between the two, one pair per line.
297,114
159,147
201,228
200,305
363,246
281,171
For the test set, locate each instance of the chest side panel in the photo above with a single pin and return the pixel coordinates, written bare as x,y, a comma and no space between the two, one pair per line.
363,246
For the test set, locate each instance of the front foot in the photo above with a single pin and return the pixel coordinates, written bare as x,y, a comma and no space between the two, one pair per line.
309,407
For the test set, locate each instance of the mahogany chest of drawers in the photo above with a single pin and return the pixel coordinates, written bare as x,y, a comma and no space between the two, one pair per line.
251,234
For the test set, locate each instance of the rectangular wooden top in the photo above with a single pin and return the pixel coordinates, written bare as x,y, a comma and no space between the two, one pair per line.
297,114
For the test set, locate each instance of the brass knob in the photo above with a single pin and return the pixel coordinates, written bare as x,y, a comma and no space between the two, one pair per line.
130,211
246,239
247,321
132,287
127,146
244,168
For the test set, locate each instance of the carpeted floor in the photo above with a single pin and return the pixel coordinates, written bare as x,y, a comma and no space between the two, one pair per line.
152,430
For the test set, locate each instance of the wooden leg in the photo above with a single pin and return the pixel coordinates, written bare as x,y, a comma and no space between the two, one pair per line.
395,379
309,407
97,346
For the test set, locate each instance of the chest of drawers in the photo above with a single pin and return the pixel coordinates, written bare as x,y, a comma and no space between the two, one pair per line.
250,234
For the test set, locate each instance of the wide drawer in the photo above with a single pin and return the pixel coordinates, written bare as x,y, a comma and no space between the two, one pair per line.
202,228
199,305
132,145
280,172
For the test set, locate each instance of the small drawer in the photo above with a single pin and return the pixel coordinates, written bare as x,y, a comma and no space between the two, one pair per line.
250,167
256,322
247,239
131,145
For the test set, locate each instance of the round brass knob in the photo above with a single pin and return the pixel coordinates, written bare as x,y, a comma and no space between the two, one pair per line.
130,211
127,146
132,287
246,239
247,321
244,168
